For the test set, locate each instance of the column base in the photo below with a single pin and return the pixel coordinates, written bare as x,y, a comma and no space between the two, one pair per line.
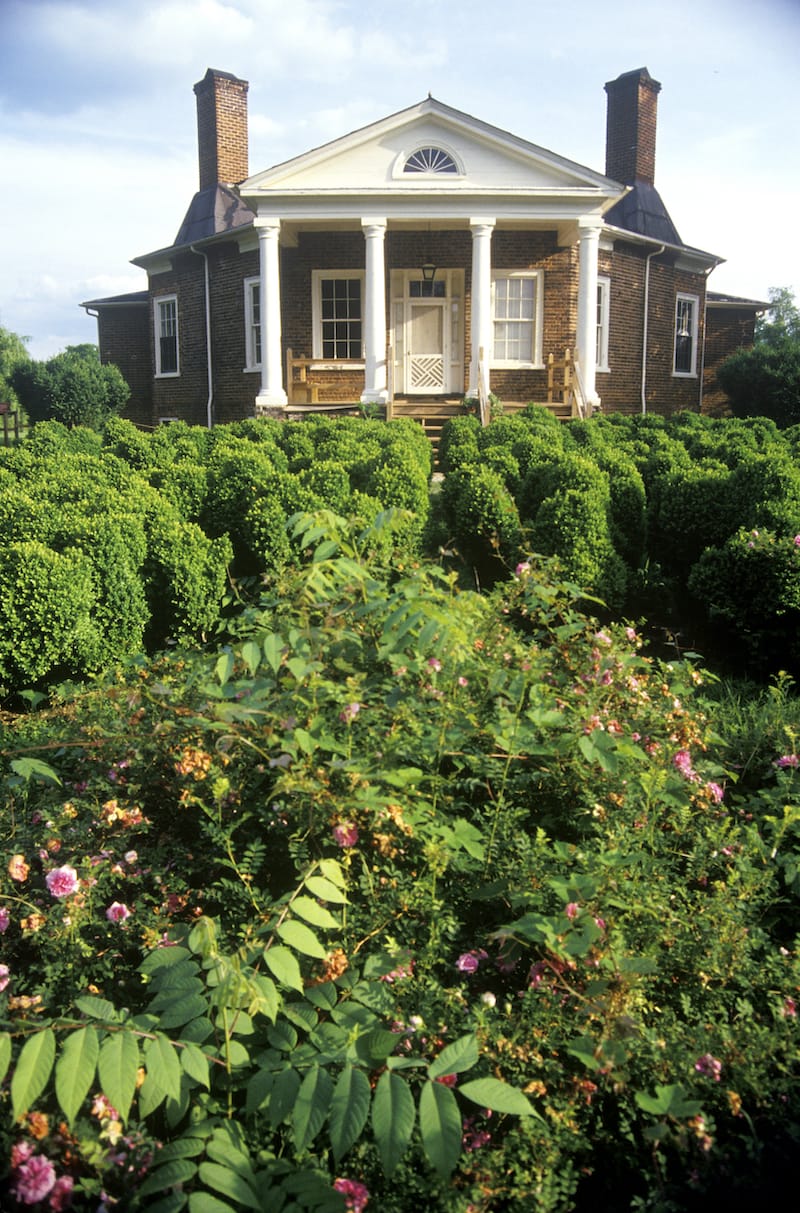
375,396
270,403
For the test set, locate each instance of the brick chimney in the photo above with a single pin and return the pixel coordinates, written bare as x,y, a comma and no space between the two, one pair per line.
221,129
631,127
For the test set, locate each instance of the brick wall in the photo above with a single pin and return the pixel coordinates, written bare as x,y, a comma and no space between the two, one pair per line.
727,330
235,389
123,335
620,388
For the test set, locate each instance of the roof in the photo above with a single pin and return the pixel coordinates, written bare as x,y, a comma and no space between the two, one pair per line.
717,299
213,212
132,299
642,211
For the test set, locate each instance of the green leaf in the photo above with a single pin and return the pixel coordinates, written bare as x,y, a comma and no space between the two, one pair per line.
195,1064
313,912
224,667
326,890
259,1089
180,1011
497,1095
284,967
440,1126
5,1054
160,1179
668,1101
170,1204
117,1069
461,1055
332,870
284,1094
34,768
204,1202
251,656
97,1008
75,1070
265,1000
229,1183
163,958
34,1065
162,1061
349,1109
182,1147
301,938
150,1095
311,1106
273,648
393,1116
374,1046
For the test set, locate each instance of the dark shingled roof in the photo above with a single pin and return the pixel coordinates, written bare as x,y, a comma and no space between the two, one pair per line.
212,212
642,211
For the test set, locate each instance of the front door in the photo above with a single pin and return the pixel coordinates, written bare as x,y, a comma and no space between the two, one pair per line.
426,352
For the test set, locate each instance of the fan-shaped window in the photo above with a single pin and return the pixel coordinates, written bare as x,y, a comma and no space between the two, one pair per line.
430,160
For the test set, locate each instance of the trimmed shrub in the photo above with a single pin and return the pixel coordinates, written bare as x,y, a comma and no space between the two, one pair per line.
572,524
185,577
46,600
458,444
328,481
750,587
482,516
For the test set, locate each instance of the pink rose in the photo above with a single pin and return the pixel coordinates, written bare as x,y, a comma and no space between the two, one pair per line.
355,1194
5,919
62,882
5,974
117,912
345,834
34,1180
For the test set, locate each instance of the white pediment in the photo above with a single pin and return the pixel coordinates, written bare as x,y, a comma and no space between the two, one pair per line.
372,160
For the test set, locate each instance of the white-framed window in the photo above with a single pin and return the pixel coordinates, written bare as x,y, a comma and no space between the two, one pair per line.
603,314
165,316
252,324
517,318
686,314
337,307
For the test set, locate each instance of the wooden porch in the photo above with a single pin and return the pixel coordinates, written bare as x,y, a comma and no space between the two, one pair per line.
564,397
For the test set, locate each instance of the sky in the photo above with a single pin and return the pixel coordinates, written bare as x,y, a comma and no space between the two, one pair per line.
98,128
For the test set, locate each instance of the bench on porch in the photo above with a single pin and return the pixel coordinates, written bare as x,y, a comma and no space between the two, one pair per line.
298,388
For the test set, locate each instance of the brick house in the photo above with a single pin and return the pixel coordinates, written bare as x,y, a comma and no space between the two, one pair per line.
428,255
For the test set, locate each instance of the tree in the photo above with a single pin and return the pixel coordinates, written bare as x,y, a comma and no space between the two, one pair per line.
782,320
73,388
764,380
12,355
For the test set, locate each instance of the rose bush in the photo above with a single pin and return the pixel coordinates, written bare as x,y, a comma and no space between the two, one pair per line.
396,894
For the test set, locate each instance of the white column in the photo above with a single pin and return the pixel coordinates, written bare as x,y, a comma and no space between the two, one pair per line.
589,229
481,327
375,381
272,393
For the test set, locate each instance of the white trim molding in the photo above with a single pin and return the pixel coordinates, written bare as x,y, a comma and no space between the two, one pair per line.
167,343
684,355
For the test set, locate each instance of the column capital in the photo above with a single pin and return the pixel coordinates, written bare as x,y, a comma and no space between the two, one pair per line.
487,222
267,225
589,225
373,226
